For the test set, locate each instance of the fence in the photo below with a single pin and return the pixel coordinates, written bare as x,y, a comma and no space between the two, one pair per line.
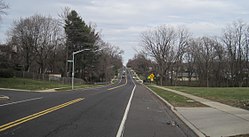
46,77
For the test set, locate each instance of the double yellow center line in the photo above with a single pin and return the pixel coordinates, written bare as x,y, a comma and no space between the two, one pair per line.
36,115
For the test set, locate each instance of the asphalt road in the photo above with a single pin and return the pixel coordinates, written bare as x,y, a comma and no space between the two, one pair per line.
125,109
148,117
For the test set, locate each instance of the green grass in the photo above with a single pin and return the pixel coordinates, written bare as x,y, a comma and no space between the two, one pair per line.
29,84
235,96
175,99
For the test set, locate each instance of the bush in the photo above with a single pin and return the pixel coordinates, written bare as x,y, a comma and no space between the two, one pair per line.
6,73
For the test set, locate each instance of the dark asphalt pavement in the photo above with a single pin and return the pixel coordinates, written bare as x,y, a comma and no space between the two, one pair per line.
99,114
148,117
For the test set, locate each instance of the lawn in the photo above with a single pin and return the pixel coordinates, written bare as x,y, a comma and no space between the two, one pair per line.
234,96
175,99
29,84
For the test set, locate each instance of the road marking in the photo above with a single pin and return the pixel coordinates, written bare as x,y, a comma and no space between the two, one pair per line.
21,101
119,85
122,124
38,114
2,97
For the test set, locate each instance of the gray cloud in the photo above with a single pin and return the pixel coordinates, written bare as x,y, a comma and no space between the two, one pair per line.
122,21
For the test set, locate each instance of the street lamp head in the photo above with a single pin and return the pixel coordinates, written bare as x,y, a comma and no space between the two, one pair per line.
70,61
76,52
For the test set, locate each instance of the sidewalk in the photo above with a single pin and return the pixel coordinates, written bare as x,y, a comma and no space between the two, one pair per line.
216,120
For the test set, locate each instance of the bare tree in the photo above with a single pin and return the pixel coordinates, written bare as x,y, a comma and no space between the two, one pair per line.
63,15
167,46
190,59
247,55
207,55
182,40
21,37
36,38
62,18
208,52
217,62
235,40
3,7
48,38
110,60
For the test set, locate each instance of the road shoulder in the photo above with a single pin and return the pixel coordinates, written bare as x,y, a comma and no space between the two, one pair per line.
148,116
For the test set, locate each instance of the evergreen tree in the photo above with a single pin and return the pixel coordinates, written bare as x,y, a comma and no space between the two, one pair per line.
81,36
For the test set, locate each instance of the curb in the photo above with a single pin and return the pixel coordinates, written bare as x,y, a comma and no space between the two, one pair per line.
80,88
4,97
50,90
23,90
46,90
15,89
172,108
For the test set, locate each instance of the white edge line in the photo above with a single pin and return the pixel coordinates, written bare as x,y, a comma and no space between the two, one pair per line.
122,124
21,101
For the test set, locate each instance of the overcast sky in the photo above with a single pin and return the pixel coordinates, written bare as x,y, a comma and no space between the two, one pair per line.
122,21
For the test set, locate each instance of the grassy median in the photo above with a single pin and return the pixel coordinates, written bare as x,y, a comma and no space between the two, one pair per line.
29,84
234,96
175,99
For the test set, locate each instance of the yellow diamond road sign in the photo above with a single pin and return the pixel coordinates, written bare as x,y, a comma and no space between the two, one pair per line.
151,77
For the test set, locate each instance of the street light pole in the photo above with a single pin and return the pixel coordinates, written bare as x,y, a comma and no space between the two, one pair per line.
73,72
74,53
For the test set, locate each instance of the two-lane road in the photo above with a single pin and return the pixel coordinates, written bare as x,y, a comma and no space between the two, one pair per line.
99,112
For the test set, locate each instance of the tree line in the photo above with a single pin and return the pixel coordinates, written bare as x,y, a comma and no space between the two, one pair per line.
44,45
174,54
